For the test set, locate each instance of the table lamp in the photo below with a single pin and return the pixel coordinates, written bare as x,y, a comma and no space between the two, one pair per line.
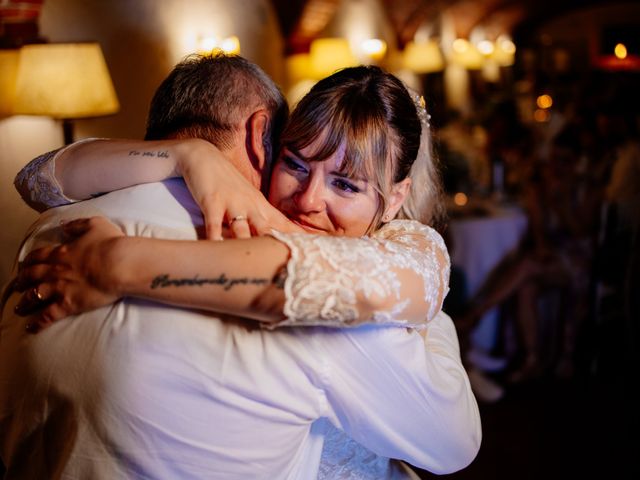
423,57
65,81
8,71
330,54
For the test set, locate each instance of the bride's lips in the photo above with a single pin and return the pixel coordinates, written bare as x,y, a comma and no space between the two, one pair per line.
310,227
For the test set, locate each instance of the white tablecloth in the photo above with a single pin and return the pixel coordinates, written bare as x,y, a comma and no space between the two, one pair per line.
479,243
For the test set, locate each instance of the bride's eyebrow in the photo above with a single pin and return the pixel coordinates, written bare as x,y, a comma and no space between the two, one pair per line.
295,153
346,175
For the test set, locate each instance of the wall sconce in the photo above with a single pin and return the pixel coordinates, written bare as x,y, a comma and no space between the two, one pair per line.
8,72
229,45
330,54
423,57
64,81
374,49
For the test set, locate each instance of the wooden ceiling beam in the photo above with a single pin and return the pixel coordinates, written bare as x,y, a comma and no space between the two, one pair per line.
303,20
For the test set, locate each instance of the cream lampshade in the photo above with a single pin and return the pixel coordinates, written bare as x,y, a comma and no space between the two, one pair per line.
504,53
466,54
8,72
330,54
64,81
423,57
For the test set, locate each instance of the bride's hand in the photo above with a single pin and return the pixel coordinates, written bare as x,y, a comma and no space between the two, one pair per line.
74,277
226,197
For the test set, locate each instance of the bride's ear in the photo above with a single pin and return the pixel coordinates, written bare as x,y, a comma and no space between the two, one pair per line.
399,193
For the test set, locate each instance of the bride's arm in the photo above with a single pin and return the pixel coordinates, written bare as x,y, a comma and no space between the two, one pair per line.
399,277
92,167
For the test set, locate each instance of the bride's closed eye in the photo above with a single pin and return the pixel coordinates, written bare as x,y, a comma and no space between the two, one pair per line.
345,185
293,164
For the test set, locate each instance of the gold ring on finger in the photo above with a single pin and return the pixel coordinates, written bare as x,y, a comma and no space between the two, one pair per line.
38,295
237,218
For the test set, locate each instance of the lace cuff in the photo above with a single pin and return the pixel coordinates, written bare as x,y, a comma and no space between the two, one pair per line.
37,184
399,276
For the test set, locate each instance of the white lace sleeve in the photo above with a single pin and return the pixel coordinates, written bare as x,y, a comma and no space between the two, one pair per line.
36,182
398,276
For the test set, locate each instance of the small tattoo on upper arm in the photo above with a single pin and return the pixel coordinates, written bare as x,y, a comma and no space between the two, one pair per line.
149,153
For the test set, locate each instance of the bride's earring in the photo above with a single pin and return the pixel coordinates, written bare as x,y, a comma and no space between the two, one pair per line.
385,217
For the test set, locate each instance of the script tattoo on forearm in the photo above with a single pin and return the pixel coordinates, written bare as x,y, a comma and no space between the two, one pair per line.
164,281
280,277
149,153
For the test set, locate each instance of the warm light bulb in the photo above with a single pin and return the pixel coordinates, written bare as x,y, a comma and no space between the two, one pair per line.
541,115
620,51
460,45
374,48
207,44
460,199
486,47
508,46
544,101
230,45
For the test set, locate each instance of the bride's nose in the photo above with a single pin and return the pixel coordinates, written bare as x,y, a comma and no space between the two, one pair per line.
310,197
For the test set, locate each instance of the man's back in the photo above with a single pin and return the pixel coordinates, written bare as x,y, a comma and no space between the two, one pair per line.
148,391
143,389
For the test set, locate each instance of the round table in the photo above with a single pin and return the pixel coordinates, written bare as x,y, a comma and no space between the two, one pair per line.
479,243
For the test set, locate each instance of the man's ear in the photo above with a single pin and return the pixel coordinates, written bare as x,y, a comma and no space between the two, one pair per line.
256,130
399,193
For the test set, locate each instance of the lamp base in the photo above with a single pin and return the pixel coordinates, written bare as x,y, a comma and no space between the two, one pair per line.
67,130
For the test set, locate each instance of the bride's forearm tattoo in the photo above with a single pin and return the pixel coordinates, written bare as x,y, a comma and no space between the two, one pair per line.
165,281
280,277
149,153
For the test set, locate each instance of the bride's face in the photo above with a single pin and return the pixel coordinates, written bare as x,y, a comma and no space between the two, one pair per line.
318,197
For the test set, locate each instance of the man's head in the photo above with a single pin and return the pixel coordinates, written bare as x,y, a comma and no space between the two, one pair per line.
225,100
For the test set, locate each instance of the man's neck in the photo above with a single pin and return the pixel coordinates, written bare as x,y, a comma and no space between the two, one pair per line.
239,158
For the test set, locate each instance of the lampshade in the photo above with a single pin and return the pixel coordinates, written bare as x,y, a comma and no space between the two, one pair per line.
465,54
423,57
504,53
8,71
299,68
330,54
64,81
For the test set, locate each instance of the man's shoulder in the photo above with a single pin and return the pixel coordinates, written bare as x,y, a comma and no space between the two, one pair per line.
163,209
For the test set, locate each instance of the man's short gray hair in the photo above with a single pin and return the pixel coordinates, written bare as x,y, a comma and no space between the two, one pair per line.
209,96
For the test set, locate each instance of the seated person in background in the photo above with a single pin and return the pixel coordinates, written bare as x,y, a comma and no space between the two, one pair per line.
268,394
555,255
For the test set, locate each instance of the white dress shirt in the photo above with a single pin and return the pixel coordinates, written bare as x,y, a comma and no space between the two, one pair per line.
141,390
